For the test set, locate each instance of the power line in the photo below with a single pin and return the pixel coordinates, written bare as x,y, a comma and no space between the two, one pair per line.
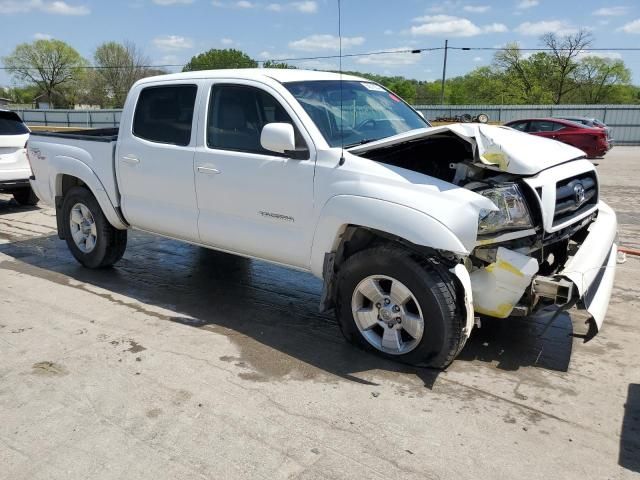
352,55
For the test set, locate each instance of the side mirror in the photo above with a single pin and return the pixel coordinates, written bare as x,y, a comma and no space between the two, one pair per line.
278,137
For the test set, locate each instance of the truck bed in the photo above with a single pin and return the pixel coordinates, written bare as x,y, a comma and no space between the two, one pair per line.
93,148
93,135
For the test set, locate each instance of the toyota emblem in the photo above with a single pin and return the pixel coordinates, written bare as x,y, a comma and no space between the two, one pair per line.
578,193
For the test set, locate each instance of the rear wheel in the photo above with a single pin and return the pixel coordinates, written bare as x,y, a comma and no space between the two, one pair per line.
93,241
400,306
26,196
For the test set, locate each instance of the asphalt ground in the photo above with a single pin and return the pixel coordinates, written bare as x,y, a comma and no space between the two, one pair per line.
185,363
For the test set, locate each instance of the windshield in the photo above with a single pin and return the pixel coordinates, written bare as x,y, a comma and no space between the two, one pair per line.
10,124
369,112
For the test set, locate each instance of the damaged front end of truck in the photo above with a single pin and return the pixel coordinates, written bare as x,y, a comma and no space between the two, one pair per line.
550,239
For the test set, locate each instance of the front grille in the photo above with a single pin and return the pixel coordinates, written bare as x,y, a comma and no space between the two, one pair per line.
575,196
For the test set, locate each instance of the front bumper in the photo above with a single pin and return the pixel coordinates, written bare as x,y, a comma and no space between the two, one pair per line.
592,269
586,279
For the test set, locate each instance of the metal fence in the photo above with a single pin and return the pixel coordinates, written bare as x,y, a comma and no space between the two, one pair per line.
70,118
624,119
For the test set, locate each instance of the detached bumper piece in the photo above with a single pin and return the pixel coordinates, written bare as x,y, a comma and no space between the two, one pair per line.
593,267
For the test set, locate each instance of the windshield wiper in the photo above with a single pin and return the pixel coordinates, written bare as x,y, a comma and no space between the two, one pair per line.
361,142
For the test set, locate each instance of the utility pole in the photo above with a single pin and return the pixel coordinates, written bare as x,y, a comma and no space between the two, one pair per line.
444,71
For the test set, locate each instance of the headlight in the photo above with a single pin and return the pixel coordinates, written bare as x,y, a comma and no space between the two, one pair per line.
512,213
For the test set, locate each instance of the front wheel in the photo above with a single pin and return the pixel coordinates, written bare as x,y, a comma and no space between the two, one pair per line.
401,306
93,241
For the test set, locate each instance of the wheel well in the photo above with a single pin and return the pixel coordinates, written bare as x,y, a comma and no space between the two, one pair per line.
354,239
69,181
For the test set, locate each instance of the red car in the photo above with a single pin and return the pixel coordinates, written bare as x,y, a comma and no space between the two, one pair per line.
592,141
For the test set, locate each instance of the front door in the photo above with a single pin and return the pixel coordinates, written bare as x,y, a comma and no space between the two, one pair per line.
252,201
155,162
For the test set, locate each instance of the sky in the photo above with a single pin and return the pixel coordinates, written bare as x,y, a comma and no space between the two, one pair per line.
172,31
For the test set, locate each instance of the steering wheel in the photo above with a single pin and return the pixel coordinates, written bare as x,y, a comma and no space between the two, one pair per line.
370,121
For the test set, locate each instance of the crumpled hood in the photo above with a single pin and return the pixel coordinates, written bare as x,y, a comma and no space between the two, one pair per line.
501,148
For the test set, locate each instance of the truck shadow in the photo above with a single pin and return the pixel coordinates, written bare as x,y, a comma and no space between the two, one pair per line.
630,434
272,308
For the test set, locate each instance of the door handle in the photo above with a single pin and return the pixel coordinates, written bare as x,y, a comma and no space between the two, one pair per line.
130,159
208,170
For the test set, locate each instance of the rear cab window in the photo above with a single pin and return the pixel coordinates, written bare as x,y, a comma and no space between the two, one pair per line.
11,124
164,114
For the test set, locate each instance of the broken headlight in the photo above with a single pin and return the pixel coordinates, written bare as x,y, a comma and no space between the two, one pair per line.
512,213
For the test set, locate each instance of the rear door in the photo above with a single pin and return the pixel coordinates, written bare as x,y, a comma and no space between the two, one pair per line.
13,158
154,161
253,201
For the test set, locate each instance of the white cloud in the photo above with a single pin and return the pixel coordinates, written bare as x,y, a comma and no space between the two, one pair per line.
56,7
305,7
315,43
391,59
172,42
448,25
388,32
477,8
495,28
226,41
524,4
42,36
559,27
237,4
631,27
172,2
611,11
477,59
274,7
244,4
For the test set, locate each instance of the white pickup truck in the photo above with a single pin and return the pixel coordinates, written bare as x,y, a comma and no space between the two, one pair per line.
416,231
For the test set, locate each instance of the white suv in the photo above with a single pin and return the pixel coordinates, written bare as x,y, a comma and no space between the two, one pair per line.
14,166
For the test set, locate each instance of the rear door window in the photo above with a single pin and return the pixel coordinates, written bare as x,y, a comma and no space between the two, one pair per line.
11,124
165,114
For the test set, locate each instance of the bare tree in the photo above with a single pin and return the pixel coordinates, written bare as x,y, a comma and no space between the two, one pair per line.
510,59
118,67
565,51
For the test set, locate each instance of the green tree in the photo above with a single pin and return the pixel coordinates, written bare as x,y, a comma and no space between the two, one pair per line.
220,59
48,64
276,64
601,79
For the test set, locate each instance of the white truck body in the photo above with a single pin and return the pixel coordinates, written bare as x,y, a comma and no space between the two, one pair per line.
298,212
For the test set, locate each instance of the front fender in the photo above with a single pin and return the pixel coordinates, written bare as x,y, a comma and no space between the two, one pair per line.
392,218
64,165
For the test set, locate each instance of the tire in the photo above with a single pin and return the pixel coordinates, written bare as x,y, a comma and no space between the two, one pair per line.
108,243
26,196
466,118
434,298
483,118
